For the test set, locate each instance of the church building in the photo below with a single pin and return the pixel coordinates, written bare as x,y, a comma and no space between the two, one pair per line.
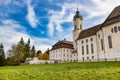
98,43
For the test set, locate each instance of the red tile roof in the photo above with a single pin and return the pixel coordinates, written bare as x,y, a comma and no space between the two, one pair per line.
63,44
89,32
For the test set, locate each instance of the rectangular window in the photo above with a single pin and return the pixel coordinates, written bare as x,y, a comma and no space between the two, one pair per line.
92,57
87,49
67,55
102,44
87,58
82,50
92,50
83,58
64,55
74,54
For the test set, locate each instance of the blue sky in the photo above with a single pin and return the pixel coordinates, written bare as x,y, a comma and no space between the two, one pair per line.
47,21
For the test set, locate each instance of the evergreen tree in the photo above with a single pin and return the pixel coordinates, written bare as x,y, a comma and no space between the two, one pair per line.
21,41
47,51
27,48
33,51
2,55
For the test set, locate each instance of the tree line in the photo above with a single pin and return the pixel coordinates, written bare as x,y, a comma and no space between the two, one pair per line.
19,52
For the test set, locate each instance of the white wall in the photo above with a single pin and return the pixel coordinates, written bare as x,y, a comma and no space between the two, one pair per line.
62,54
113,52
90,54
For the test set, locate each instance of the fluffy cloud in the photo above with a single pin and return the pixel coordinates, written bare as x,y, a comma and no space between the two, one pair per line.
98,9
58,17
11,32
31,17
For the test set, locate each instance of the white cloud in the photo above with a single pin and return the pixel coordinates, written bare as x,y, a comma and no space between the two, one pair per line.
11,33
100,8
31,17
58,17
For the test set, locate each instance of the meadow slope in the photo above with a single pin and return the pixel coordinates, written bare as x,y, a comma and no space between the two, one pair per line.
63,71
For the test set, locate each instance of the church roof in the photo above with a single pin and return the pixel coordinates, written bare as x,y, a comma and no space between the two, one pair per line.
113,17
90,31
63,44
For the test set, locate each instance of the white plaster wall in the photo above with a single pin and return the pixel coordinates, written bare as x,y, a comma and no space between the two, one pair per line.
113,52
80,44
63,54
99,36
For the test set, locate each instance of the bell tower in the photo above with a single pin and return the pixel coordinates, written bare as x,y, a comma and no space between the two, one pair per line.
78,21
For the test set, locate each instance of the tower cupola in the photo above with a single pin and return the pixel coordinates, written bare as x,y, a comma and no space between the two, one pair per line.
77,15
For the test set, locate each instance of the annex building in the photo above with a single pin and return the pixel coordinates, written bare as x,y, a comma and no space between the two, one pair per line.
98,43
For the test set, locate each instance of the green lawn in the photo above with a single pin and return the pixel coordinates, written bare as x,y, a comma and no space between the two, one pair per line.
64,71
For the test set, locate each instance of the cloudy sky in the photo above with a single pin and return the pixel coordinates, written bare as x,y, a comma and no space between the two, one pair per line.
47,21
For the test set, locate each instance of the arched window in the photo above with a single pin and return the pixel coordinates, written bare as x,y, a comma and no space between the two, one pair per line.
92,50
99,36
112,30
91,39
102,44
82,50
87,49
110,41
115,29
119,28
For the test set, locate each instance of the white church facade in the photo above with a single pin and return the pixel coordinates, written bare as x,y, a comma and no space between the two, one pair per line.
98,43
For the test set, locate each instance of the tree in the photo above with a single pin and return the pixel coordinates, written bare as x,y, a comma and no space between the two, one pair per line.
27,49
2,55
40,56
45,56
47,51
17,53
39,52
33,51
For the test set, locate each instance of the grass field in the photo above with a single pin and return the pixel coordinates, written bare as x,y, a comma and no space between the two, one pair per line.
64,71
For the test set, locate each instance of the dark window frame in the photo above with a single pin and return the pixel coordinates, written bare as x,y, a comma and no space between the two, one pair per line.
92,48
92,57
112,30
86,40
87,49
102,48
115,29
82,50
119,28
91,39
110,41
